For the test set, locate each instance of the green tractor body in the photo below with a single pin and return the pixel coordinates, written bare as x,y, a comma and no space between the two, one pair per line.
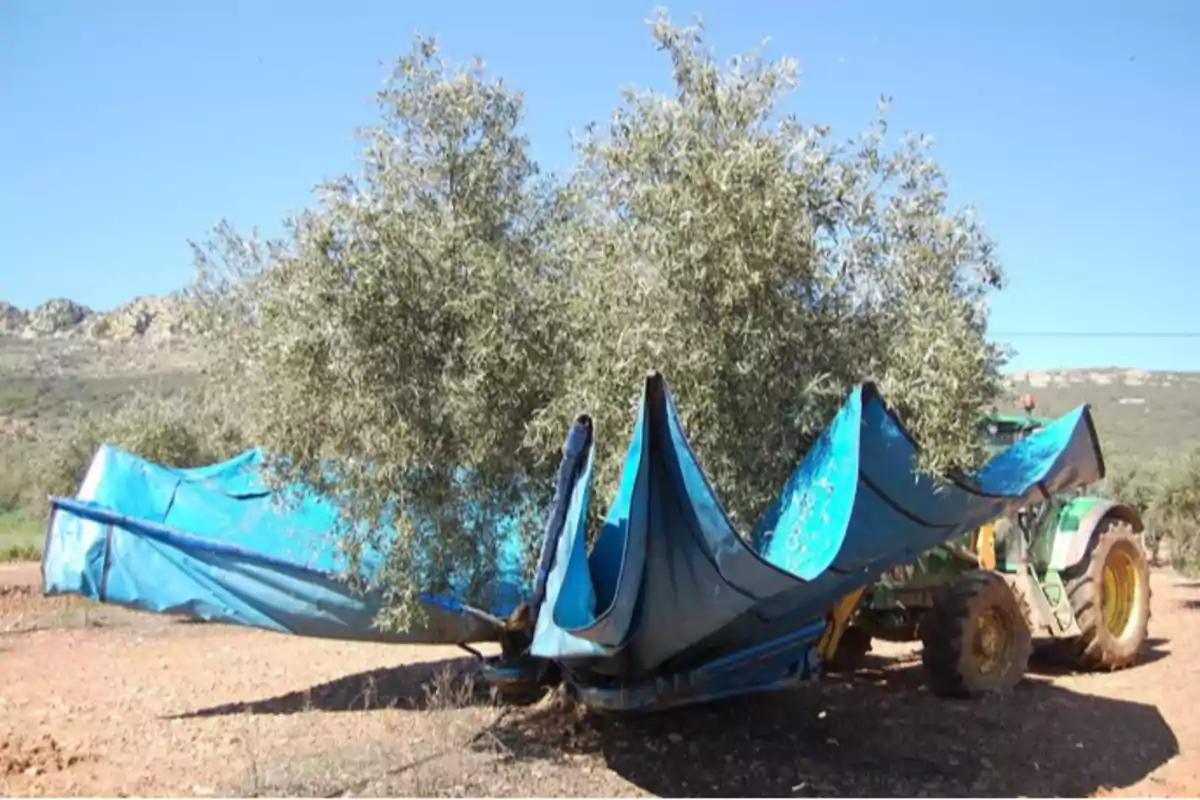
1071,568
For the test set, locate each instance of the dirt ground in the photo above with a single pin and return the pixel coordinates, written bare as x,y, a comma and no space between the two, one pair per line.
101,701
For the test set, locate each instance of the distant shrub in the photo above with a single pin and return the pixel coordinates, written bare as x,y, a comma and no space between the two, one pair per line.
13,483
184,429
1167,495
19,552
1175,513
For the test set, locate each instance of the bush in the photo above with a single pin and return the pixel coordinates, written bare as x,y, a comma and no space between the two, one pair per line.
13,484
183,429
1167,495
1175,512
450,308
18,451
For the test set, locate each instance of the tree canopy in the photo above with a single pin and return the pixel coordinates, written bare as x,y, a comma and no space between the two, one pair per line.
423,335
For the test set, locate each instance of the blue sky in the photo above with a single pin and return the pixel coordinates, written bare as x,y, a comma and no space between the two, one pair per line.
130,127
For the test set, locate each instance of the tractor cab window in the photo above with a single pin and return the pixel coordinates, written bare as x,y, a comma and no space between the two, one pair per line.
999,434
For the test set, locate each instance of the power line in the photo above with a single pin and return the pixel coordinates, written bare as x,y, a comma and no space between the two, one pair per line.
1095,334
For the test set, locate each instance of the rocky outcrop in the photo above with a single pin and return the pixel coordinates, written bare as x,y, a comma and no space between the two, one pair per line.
12,319
56,316
143,318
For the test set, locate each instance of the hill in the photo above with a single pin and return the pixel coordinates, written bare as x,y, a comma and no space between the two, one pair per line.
1139,415
63,353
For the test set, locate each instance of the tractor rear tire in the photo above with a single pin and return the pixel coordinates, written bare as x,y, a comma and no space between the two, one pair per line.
975,638
1110,595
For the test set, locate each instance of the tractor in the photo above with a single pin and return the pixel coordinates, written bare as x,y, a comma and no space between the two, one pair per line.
1071,571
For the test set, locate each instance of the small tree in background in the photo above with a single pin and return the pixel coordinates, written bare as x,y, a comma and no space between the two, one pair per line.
1165,491
188,428
1174,515
433,324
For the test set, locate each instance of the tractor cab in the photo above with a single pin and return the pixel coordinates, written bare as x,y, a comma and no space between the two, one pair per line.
1028,524
1001,430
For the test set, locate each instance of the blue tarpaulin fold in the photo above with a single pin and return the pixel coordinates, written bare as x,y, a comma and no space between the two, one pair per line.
669,582
669,587
215,543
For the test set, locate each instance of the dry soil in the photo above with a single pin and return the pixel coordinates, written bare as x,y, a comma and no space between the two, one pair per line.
102,701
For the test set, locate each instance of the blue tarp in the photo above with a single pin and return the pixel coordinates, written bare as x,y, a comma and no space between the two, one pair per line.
215,543
669,583
668,589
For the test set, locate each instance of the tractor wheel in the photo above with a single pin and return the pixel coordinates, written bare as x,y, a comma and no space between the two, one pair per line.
975,639
1110,595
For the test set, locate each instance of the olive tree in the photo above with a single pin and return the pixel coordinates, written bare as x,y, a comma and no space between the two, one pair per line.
421,338
393,348
767,270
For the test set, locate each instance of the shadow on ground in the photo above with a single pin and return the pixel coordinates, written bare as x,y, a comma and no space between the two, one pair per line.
877,732
1050,659
873,732
448,683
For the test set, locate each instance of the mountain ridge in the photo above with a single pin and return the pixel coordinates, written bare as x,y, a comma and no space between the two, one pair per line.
62,351
169,316
146,316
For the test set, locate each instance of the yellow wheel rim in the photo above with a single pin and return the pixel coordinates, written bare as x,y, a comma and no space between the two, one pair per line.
991,642
1118,591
